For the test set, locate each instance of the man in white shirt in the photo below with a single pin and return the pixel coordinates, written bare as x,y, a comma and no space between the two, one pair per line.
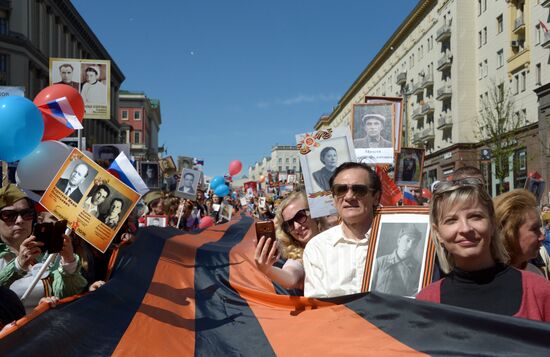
334,260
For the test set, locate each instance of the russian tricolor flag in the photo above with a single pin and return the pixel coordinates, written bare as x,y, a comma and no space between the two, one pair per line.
122,169
61,110
408,198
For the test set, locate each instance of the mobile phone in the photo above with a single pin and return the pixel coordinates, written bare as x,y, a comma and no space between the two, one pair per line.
265,228
51,234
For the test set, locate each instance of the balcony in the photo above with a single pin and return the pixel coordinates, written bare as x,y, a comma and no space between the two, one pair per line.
545,3
445,61
445,121
401,78
417,89
427,134
417,113
428,80
443,33
519,23
428,107
546,39
444,92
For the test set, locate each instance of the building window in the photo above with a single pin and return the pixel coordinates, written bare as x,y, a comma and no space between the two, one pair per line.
500,58
538,74
3,25
137,115
480,70
280,161
280,168
479,39
293,160
537,34
485,35
485,68
500,24
287,160
522,81
516,84
137,137
4,68
479,7
124,115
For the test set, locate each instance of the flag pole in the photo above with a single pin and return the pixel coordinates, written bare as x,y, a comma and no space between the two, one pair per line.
47,263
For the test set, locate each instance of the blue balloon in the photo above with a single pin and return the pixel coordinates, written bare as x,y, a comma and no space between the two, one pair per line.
21,128
216,181
222,190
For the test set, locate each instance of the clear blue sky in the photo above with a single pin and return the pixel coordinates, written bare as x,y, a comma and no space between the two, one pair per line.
236,77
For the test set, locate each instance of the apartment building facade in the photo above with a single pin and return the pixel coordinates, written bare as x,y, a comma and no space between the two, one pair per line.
444,59
31,32
140,120
284,159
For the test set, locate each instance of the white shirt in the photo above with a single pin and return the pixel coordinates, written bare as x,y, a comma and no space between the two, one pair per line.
334,264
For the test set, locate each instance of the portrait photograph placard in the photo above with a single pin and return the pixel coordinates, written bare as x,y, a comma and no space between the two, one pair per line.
188,184
94,202
321,153
373,132
398,120
409,165
91,78
167,166
536,185
225,211
150,173
109,152
401,255
156,221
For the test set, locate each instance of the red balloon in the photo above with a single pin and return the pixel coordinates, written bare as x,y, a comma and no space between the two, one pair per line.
426,193
206,222
53,129
235,167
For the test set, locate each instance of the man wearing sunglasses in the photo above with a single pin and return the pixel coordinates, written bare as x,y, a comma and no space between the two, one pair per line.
334,260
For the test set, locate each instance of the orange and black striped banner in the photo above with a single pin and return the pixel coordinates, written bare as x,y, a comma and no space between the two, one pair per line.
200,294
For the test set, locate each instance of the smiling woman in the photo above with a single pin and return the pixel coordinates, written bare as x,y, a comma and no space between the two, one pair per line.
469,249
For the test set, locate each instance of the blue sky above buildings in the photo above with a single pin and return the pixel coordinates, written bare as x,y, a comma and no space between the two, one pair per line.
236,77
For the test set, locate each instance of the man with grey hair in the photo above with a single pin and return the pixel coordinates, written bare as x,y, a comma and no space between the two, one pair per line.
373,125
398,273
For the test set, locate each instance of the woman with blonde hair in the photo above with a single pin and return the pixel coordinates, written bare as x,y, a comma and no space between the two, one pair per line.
294,228
518,219
465,231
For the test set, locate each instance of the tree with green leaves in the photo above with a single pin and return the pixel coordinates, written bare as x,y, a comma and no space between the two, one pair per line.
498,125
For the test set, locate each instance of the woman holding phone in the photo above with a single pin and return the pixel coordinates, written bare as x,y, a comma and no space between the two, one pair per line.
294,228
21,255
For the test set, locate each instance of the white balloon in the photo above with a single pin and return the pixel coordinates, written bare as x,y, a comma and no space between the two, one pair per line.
89,154
36,170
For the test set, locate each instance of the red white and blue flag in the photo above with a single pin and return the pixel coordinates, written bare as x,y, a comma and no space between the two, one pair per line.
408,198
61,110
122,169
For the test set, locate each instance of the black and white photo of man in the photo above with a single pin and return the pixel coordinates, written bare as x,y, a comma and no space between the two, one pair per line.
71,186
398,273
187,183
373,126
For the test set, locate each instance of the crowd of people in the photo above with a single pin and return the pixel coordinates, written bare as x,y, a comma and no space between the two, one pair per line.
487,248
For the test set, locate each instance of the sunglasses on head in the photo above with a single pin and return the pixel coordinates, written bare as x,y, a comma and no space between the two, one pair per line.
300,217
10,215
339,190
454,184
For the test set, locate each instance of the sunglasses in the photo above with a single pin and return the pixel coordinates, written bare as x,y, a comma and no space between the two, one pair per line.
444,186
10,215
300,217
359,191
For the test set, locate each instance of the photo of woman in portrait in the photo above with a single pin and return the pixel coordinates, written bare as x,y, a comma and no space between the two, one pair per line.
329,158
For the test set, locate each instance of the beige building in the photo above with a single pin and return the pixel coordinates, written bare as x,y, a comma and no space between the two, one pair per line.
443,60
284,159
32,31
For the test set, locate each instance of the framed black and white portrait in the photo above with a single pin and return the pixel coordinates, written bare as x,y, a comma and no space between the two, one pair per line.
149,172
409,165
188,183
401,254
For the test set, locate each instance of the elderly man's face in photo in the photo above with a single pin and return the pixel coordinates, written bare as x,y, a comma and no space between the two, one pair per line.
78,174
405,245
188,180
66,74
99,197
373,127
91,77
